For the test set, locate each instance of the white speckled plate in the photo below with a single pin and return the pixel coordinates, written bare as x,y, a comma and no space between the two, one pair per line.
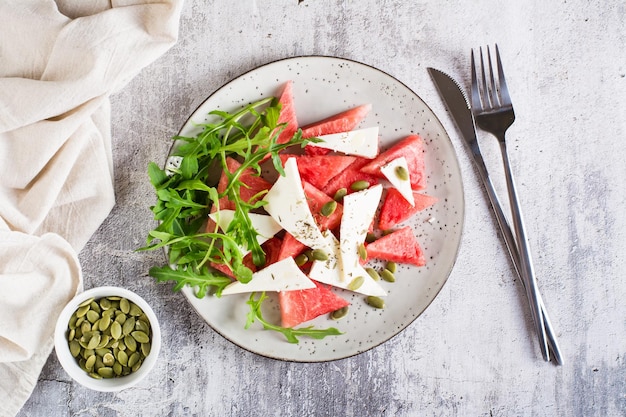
324,86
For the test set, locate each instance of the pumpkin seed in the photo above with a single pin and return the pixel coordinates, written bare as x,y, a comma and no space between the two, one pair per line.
105,322
340,194
142,325
90,362
372,273
133,359
135,310
375,302
102,351
108,359
82,310
104,340
319,255
94,341
95,375
359,185
128,326
370,237
122,357
338,314
117,368
136,367
105,304
301,259
391,266
130,343
71,334
402,173
362,252
106,372
120,317
329,208
86,302
387,275
74,348
116,330
87,353
140,336
73,321
356,283
125,305
145,349
95,307
85,327
92,316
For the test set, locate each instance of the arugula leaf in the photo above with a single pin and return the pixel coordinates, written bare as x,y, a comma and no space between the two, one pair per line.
290,334
185,197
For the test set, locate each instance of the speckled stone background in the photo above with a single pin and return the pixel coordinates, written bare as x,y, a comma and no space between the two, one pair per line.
473,352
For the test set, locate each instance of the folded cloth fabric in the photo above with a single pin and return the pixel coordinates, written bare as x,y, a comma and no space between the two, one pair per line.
60,62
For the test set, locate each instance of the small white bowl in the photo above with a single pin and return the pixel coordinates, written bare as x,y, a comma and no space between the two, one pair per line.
69,363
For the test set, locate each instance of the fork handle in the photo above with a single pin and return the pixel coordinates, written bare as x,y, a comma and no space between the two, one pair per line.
509,240
526,266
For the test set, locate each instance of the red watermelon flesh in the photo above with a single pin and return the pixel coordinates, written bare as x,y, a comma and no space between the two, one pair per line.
299,306
253,184
340,122
400,246
287,114
396,209
349,175
315,151
316,200
412,148
319,170
271,248
291,247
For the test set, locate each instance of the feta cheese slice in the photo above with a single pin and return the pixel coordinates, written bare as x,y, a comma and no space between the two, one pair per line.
265,225
280,276
403,185
360,142
359,210
331,271
287,204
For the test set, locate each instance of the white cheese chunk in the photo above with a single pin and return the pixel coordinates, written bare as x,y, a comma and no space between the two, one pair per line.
280,276
402,185
359,210
287,204
360,142
331,271
265,225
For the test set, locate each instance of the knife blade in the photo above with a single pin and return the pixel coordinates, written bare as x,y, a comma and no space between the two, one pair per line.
458,106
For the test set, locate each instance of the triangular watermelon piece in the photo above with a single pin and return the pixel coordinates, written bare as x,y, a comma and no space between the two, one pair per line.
299,306
349,175
318,170
412,148
340,122
271,248
400,246
287,114
316,199
396,209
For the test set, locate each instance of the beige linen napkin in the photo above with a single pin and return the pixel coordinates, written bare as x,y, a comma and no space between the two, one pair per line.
59,62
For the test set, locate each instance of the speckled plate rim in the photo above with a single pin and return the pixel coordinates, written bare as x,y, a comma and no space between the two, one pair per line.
228,319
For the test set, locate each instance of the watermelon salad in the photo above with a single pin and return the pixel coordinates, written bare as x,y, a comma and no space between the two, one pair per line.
309,212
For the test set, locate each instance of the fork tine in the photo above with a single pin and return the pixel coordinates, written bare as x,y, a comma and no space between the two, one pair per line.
493,88
504,91
476,103
485,91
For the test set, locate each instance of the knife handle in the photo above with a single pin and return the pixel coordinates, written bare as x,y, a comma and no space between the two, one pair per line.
511,245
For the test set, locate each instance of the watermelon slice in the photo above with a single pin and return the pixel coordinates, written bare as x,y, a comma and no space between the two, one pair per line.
287,114
349,175
318,170
253,183
396,208
299,306
412,148
400,246
340,122
317,199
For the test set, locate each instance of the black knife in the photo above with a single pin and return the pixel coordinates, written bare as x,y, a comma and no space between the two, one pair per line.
459,108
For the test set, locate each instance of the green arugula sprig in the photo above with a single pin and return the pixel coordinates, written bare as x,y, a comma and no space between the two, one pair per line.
290,334
185,198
